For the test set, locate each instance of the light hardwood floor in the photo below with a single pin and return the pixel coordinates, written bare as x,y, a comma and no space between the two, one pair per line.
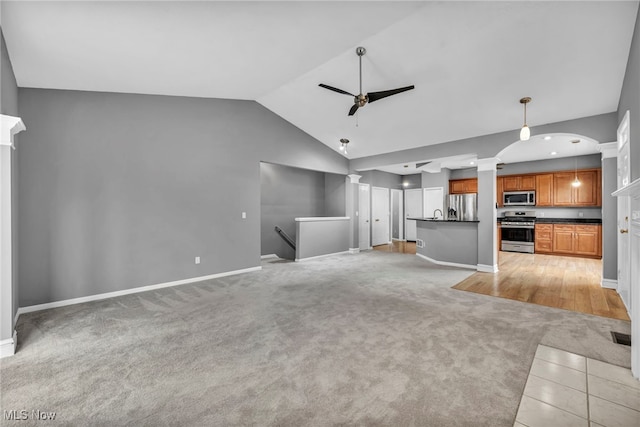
555,281
398,246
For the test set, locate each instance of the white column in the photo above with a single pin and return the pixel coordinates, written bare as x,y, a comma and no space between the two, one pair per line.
352,210
9,126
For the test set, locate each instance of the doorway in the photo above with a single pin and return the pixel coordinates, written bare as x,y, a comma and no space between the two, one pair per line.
397,215
624,249
380,214
412,209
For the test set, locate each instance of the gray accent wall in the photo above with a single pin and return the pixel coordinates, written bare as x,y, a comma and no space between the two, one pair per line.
118,191
601,128
440,179
411,181
8,85
381,179
487,227
609,219
287,193
553,165
630,100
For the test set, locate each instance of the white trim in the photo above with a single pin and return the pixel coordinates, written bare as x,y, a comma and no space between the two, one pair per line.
107,295
608,149
609,283
355,179
269,256
488,164
8,346
354,250
630,190
320,256
9,126
485,268
449,264
323,218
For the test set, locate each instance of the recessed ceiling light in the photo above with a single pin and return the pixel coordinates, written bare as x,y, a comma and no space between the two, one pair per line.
546,138
553,153
472,163
406,184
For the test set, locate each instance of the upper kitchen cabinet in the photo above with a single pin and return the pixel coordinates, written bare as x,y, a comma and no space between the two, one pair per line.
518,182
544,189
499,191
587,194
463,186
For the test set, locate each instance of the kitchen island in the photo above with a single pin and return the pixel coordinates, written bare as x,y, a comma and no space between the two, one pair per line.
445,242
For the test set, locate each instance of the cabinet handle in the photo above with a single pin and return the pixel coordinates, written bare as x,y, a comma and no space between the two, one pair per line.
624,230
377,220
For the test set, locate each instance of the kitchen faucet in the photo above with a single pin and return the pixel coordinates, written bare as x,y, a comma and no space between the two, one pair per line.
437,210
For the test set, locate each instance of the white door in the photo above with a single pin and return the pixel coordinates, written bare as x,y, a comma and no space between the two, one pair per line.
380,216
433,202
412,209
364,217
624,250
397,215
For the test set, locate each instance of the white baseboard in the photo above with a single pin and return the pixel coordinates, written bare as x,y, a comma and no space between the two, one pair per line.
320,256
106,295
485,268
449,264
609,283
269,256
8,346
354,250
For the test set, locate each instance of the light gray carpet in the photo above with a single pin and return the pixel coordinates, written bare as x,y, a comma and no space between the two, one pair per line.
373,339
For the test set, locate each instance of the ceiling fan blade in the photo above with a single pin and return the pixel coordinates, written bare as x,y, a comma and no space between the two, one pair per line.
353,109
374,96
335,89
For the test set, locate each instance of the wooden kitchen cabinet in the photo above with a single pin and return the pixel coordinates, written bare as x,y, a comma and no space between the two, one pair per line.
543,238
544,190
463,186
580,239
519,182
499,191
587,194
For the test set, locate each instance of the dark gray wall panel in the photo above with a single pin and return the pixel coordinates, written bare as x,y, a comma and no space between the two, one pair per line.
630,100
121,190
285,194
334,195
381,179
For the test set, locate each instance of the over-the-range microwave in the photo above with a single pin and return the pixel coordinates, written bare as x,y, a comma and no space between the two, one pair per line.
519,198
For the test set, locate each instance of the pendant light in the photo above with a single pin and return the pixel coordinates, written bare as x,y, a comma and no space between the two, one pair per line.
525,133
576,182
343,145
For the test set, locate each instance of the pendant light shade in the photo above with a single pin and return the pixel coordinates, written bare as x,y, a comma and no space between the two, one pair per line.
525,133
343,145
576,182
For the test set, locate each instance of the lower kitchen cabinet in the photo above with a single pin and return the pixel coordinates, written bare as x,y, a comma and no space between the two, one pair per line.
543,240
569,239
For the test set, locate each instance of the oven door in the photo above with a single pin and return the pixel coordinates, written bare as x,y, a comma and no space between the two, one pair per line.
517,238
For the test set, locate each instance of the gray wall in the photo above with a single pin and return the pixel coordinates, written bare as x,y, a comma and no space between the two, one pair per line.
601,128
630,100
609,219
464,173
552,165
411,181
442,241
334,195
9,106
381,179
440,179
287,193
121,190
318,238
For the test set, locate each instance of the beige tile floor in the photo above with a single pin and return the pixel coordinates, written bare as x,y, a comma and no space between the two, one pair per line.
566,389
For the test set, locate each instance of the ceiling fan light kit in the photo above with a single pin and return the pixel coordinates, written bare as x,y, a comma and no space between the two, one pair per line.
362,99
525,133
343,145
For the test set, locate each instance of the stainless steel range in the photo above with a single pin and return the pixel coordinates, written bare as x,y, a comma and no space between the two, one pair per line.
518,230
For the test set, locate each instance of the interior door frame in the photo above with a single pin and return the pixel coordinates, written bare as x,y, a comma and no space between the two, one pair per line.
624,212
424,200
400,215
367,219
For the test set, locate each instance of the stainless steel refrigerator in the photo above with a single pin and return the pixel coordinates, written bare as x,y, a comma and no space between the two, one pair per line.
463,207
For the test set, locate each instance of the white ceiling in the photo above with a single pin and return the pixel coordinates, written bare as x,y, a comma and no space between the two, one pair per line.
470,61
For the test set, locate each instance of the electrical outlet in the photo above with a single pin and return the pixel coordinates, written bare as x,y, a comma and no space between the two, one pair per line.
580,214
197,260
244,215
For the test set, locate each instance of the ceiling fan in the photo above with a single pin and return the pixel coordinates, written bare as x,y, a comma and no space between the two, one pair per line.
361,99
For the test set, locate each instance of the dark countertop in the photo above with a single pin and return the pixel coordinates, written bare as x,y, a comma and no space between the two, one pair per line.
440,220
569,220
543,220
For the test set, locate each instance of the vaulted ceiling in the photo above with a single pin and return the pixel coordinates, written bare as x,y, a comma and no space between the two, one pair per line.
470,61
